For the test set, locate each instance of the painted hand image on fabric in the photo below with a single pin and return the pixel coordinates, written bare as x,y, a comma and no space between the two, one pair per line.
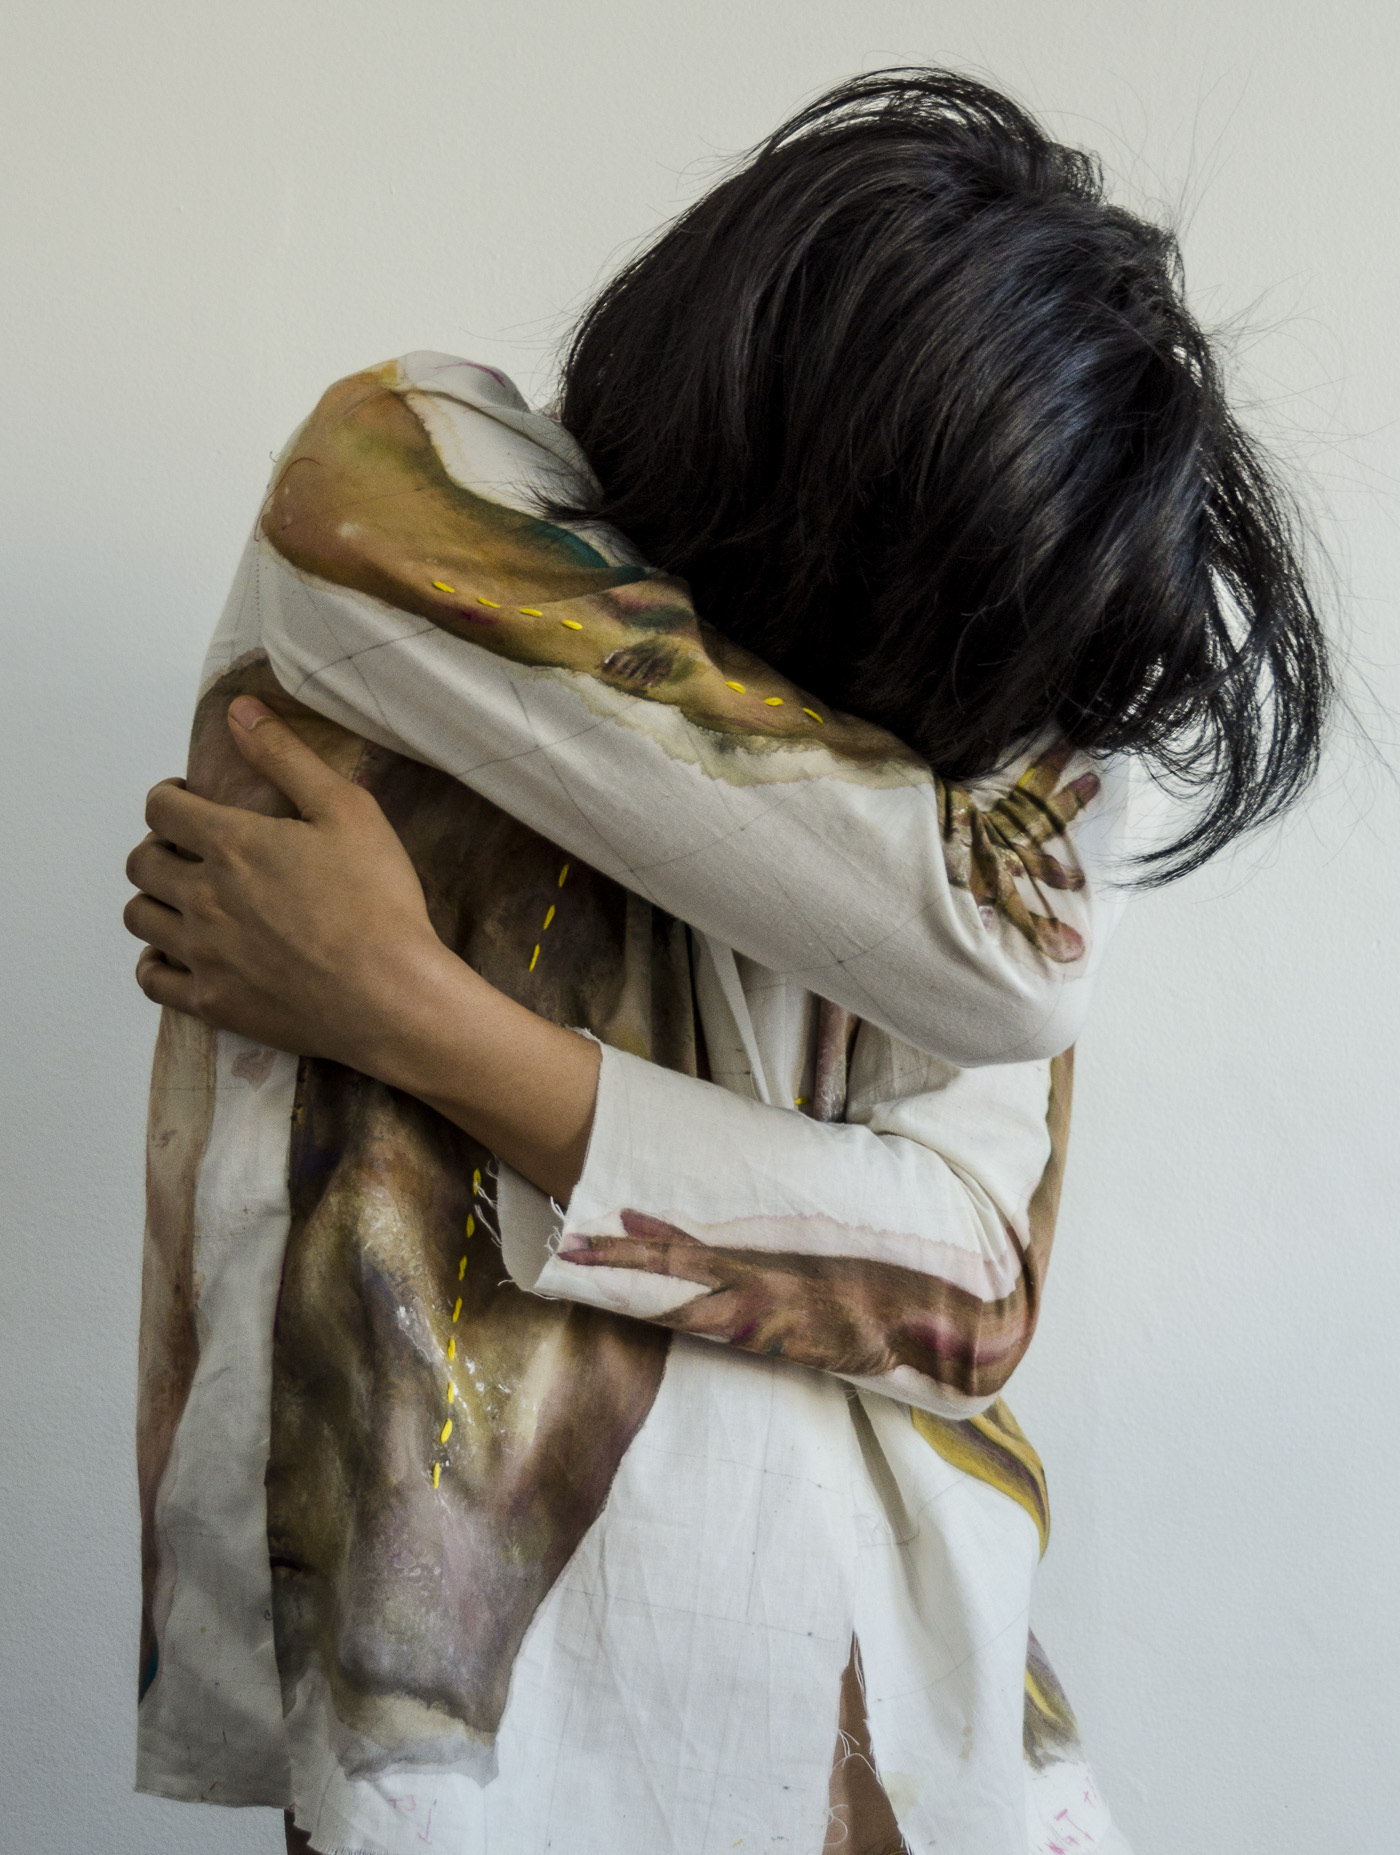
994,852
861,1318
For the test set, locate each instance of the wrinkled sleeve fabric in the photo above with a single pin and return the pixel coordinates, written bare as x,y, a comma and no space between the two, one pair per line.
903,1249
403,584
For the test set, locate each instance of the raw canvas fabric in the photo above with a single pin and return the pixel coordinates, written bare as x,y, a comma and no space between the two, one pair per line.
688,1519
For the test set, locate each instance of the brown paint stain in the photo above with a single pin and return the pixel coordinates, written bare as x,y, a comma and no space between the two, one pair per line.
254,1066
180,1115
413,1599
860,1820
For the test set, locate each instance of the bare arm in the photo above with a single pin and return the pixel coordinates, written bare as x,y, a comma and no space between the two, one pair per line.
310,934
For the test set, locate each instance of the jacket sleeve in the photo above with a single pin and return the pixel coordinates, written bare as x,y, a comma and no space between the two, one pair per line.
402,585
903,1250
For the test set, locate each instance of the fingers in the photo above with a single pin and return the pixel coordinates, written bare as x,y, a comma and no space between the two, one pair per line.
687,1260
163,983
643,1224
281,756
1041,778
1050,873
192,823
161,871
163,928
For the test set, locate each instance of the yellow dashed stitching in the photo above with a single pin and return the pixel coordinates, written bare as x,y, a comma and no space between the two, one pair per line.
773,702
534,956
446,1431
443,587
815,716
531,611
571,624
739,686
494,604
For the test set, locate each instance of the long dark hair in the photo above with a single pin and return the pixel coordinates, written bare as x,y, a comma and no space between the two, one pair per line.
924,420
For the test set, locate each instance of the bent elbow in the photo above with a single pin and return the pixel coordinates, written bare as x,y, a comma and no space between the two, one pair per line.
1004,1024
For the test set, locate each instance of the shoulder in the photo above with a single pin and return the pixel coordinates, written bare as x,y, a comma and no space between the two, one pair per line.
486,434
456,427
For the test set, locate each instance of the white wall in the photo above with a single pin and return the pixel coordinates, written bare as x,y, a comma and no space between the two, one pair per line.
216,209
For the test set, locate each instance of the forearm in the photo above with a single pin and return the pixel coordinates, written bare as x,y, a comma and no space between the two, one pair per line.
904,1251
522,1086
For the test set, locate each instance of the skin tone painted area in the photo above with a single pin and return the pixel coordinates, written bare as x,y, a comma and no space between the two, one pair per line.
311,934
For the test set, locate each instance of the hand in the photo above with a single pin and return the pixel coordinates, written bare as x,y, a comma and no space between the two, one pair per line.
311,934
297,932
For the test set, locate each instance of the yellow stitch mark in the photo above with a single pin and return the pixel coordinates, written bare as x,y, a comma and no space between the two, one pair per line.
739,686
437,1473
494,604
773,702
800,1101
532,611
451,1392
562,874
815,716
534,956
446,1431
548,918
471,1228
457,1311
461,1268
476,1179
443,587
452,1347
571,624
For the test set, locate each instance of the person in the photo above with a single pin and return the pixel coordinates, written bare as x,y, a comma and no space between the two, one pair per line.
664,853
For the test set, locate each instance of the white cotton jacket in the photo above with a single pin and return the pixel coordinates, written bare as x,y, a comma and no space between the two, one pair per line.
473,1520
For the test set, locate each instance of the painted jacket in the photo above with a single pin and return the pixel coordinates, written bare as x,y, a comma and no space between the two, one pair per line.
687,1519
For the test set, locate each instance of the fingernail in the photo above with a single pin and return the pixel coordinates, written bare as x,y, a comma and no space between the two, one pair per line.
247,711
